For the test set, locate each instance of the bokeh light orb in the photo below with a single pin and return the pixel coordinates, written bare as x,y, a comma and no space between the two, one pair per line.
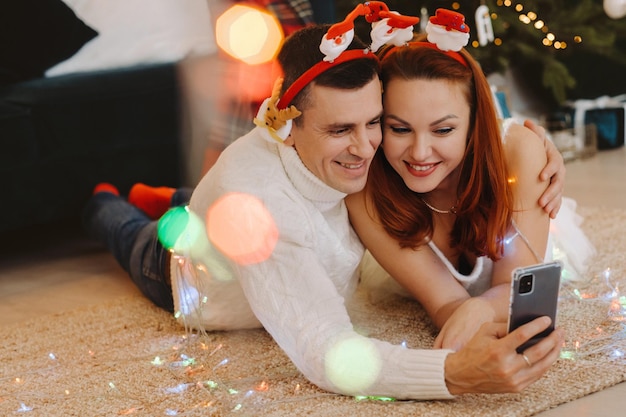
615,9
179,229
353,364
242,228
248,34
171,225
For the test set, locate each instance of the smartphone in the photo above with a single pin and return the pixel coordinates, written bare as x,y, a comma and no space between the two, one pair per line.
534,293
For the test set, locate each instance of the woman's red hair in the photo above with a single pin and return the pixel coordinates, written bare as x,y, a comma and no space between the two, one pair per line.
485,200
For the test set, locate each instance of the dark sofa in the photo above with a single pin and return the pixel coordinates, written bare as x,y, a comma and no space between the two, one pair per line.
59,136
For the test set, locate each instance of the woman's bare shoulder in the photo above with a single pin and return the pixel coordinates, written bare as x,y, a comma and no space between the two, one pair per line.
525,151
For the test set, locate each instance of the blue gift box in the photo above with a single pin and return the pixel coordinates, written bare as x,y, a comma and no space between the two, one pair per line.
609,123
607,114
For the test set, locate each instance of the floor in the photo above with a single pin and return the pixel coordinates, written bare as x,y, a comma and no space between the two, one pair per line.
55,269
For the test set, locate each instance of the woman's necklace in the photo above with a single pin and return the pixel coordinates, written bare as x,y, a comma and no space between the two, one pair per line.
436,210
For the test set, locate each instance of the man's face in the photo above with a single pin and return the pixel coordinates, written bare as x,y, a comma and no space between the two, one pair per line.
426,130
340,134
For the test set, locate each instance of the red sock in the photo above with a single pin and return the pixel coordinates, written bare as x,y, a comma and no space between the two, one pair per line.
105,187
154,201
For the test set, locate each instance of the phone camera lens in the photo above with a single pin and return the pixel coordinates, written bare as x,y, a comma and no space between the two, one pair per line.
526,284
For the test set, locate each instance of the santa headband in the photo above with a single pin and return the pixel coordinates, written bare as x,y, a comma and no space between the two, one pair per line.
396,28
447,32
388,27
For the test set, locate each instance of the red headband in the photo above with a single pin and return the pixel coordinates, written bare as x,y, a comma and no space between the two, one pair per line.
319,68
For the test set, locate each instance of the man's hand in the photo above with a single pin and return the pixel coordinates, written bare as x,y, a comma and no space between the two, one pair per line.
554,170
489,362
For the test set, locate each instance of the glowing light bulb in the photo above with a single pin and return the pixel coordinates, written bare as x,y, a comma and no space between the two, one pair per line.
248,34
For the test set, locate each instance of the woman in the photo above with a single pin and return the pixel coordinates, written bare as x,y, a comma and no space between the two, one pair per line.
450,207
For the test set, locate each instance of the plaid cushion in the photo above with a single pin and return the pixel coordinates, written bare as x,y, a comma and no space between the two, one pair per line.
292,14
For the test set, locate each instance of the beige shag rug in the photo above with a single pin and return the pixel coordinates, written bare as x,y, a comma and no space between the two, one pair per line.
130,358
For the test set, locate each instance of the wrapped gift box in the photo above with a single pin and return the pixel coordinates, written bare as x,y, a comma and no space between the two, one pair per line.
608,116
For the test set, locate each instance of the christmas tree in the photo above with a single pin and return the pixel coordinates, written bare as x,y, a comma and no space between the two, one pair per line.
561,50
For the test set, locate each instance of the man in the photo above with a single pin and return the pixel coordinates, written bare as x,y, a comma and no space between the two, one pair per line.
296,281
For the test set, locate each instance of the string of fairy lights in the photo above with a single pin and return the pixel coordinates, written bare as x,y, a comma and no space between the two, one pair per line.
527,17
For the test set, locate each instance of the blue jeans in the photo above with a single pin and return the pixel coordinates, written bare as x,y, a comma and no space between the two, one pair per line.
131,237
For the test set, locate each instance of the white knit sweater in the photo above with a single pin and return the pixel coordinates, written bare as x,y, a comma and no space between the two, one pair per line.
298,294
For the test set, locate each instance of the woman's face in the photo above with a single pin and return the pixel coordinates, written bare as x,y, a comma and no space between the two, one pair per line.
426,125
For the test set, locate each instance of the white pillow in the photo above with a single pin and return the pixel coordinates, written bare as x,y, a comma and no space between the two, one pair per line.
134,32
